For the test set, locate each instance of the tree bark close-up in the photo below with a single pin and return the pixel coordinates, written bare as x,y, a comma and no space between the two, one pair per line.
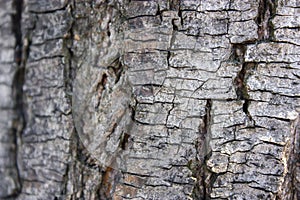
149,99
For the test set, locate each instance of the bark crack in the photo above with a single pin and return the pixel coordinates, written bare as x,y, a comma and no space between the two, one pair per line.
266,11
199,168
290,186
240,81
18,82
109,179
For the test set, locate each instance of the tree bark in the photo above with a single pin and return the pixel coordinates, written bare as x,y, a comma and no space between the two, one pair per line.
120,99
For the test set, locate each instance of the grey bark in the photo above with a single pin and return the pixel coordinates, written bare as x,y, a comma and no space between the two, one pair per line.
156,99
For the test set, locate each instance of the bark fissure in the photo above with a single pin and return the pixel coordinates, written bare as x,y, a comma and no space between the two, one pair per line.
17,85
266,11
240,81
290,186
198,167
110,179
294,161
16,26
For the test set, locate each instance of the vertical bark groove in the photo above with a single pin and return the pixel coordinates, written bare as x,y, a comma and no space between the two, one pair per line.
266,12
17,85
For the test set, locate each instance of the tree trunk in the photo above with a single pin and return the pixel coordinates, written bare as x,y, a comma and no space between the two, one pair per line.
120,99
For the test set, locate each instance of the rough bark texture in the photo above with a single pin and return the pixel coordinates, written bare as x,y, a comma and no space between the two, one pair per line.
178,99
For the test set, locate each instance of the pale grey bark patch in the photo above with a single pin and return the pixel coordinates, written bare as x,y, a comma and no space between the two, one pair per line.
149,99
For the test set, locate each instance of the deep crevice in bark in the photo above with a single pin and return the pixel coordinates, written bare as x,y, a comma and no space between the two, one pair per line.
65,181
237,53
242,90
17,88
110,178
124,141
295,161
290,187
118,69
207,117
16,25
240,81
174,4
100,88
81,163
199,169
207,181
169,113
133,110
69,69
19,122
266,12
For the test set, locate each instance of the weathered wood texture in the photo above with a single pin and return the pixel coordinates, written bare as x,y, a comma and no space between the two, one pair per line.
178,99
